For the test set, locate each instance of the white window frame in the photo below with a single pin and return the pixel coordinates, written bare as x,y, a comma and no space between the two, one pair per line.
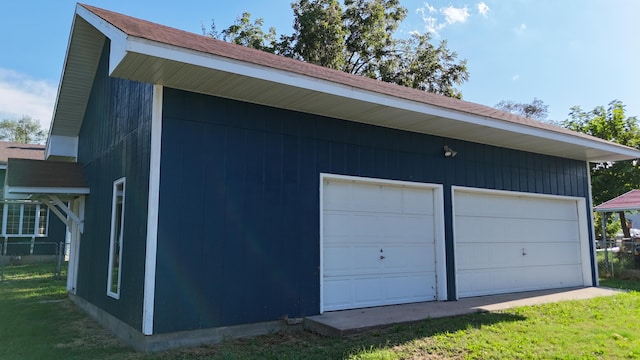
21,233
116,232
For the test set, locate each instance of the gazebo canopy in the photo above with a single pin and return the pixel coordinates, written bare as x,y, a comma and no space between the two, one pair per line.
625,202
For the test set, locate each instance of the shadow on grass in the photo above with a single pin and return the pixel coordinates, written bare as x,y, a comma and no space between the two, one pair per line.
64,332
305,345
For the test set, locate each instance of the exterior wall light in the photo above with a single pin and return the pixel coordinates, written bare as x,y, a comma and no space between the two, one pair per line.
449,152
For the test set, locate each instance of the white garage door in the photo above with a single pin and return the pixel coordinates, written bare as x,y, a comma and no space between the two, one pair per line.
508,243
378,244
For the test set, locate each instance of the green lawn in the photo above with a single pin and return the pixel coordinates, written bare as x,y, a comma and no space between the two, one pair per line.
39,322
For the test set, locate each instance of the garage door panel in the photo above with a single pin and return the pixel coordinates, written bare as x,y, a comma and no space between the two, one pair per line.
346,196
378,244
478,256
410,288
340,224
417,201
515,207
483,229
377,227
363,291
409,258
341,260
499,281
358,260
338,293
508,243
414,228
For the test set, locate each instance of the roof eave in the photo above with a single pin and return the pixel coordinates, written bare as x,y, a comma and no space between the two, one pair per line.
247,82
160,63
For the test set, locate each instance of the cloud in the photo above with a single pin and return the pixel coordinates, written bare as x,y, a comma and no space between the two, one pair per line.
454,15
520,29
515,77
430,8
483,9
21,95
437,19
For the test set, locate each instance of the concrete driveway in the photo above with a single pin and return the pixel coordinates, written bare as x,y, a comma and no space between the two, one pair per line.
347,322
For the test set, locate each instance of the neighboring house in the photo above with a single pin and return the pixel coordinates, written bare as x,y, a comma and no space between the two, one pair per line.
26,227
228,189
627,202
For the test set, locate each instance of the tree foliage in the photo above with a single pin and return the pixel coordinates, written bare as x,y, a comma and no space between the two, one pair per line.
246,33
357,38
609,180
536,110
24,130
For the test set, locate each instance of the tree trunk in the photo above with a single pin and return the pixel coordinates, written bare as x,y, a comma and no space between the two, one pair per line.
623,223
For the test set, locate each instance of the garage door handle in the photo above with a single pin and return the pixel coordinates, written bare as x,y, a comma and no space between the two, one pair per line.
381,257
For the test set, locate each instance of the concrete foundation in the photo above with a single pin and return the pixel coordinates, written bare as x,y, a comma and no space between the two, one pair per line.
182,339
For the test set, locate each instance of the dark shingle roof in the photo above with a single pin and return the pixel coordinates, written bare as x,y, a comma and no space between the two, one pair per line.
191,41
156,54
21,151
45,174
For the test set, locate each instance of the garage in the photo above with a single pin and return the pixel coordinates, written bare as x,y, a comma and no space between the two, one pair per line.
382,243
510,242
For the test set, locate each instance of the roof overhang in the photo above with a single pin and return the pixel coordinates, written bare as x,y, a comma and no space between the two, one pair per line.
31,179
243,74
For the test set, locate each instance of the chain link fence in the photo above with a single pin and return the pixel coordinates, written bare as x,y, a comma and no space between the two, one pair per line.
619,258
14,253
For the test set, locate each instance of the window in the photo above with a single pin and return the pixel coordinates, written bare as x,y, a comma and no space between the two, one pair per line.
28,219
115,244
13,219
43,220
24,219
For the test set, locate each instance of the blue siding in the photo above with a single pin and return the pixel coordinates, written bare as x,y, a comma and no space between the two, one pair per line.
115,142
238,237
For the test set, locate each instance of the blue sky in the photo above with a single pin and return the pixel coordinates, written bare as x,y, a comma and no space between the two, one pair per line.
570,52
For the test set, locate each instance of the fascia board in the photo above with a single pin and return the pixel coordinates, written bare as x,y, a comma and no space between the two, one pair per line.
117,37
219,63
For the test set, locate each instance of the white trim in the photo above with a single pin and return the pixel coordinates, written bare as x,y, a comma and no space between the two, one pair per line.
64,218
439,235
582,224
116,232
5,207
585,241
60,145
68,211
322,177
36,225
75,238
592,260
21,221
46,190
224,64
152,212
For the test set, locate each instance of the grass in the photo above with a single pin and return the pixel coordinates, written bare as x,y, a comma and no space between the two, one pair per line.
39,322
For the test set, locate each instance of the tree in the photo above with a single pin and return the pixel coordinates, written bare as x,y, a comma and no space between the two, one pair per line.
24,130
246,33
612,179
357,38
536,110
